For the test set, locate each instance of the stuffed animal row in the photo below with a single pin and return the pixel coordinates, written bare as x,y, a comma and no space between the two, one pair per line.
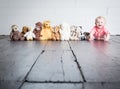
44,31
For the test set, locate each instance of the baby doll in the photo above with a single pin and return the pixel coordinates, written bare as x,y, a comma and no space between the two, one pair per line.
15,34
99,32
46,32
37,30
29,35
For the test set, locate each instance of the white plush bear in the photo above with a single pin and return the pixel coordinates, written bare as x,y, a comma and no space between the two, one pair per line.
65,31
29,35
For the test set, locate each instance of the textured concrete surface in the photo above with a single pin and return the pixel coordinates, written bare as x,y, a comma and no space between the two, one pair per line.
59,64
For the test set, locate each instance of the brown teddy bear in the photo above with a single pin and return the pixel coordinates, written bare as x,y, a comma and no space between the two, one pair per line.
37,30
46,32
15,34
25,29
56,33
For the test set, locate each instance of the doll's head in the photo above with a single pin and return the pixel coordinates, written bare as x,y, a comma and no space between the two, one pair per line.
100,22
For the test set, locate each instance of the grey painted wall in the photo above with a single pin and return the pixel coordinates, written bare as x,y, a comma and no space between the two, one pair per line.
77,12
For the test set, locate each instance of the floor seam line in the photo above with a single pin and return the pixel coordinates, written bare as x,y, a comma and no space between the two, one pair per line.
78,65
31,69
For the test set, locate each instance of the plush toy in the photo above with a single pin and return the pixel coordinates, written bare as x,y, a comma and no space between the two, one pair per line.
29,35
65,31
15,34
86,36
37,30
76,32
46,32
25,29
56,33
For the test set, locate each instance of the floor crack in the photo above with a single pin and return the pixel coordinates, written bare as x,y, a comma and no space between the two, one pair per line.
78,65
63,72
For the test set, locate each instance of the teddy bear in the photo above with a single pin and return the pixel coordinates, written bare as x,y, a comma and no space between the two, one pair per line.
46,32
65,31
25,29
56,33
15,34
37,30
29,35
75,32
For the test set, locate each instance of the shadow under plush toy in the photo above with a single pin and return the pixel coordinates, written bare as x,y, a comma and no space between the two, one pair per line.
15,34
46,32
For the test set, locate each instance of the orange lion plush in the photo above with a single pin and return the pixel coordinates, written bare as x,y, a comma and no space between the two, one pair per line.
46,32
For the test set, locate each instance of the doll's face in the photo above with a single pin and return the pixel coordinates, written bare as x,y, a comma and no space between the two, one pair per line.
100,23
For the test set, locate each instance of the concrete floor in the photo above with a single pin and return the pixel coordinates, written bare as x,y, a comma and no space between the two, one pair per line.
59,64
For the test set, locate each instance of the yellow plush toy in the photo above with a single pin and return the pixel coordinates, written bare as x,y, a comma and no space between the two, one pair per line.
46,32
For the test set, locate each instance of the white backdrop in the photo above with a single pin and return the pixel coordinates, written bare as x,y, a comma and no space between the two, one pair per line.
74,12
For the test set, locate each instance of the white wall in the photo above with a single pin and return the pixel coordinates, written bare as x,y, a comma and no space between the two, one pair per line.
77,12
